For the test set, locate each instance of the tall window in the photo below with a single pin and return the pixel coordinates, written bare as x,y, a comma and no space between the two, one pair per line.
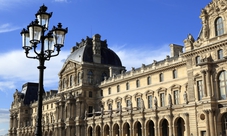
161,78
149,101
109,106
176,97
223,85
174,73
224,124
127,86
148,80
90,109
197,60
118,88
200,89
71,81
219,27
104,75
90,77
118,105
138,102
63,84
78,78
128,103
137,83
162,99
109,90
90,94
101,92
220,54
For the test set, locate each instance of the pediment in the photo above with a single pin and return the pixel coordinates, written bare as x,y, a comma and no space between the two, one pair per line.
69,66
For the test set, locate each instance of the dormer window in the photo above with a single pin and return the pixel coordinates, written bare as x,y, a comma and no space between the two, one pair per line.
219,27
197,60
220,54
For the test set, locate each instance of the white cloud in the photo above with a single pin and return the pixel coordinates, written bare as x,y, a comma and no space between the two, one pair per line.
135,57
4,121
8,28
16,68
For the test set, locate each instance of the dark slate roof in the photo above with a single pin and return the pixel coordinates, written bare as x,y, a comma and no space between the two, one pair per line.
30,92
83,52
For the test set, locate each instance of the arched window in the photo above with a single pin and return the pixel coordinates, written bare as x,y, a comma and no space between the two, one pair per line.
127,86
148,80
104,75
90,77
109,90
224,124
78,78
223,85
161,78
220,54
197,60
63,84
71,81
219,27
137,83
174,73
118,88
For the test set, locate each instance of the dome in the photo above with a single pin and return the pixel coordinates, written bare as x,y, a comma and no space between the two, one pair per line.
94,51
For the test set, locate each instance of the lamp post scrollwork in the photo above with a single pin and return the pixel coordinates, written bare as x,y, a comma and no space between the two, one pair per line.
50,46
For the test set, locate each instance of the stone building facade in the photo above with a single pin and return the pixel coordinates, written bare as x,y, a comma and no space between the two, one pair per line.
182,95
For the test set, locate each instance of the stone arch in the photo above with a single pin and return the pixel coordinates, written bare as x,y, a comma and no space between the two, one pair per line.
150,128
137,128
179,127
164,127
116,129
220,125
126,129
89,131
106,130
98,130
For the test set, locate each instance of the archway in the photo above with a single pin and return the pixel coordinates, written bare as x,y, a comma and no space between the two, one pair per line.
150,128
126,129
179,127
90,131
224,124
164,128
116,130
98,131
106,130
138,129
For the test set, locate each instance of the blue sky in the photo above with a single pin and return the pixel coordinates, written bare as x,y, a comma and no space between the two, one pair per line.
139,31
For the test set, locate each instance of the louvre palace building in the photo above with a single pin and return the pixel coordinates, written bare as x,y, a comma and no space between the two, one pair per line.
185,94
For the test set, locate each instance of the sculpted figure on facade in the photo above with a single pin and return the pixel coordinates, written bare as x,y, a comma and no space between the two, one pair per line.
170,100
155,102
188,42
185,97
205,29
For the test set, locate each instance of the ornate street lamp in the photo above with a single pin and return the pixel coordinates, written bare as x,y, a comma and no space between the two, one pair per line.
50,46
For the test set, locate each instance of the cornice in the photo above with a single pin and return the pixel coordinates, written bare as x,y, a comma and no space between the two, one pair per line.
204,49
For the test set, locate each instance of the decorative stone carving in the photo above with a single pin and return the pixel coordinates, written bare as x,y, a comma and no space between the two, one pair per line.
185,95
188,42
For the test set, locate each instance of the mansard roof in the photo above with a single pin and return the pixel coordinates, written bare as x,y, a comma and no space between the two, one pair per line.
84,52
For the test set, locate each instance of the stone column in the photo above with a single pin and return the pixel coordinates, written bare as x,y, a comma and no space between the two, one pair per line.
143,127
207,122
204,82
170,125
131,128
208,83
187,128
211,119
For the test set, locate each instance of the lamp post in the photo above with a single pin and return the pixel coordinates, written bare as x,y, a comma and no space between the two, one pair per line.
50,45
